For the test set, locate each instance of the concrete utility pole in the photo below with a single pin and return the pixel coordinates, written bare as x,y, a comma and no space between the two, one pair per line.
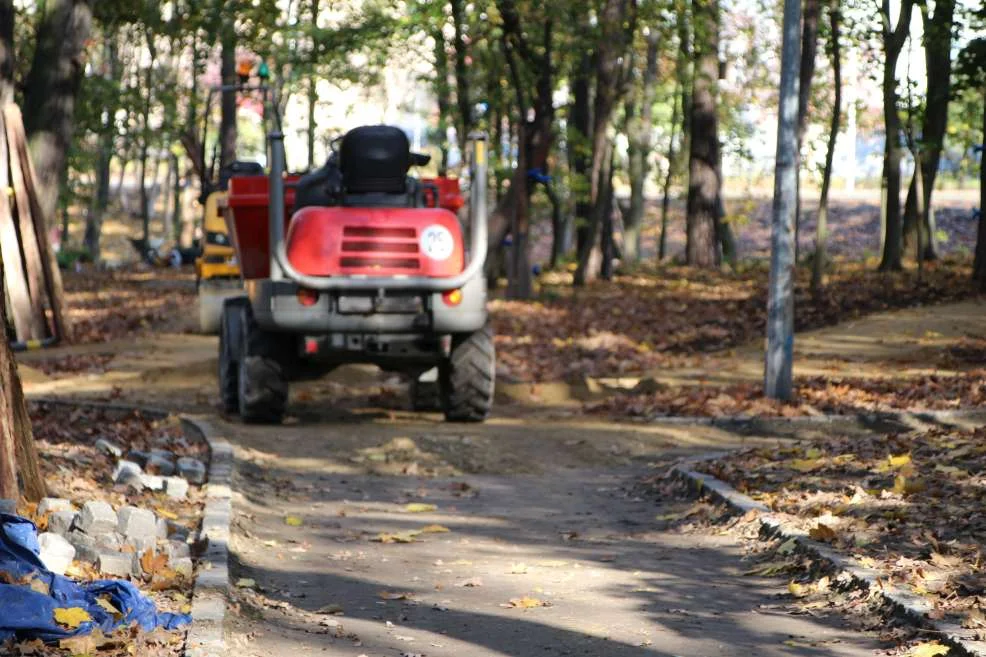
779,382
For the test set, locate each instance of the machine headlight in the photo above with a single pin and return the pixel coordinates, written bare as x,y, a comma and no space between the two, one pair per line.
437,243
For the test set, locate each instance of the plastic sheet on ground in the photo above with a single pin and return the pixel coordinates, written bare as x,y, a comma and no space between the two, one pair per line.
27,612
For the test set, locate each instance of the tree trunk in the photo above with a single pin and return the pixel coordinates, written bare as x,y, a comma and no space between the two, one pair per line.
558,226
443,94
703,183
579,140
893,42
680,108
821,239
615,40
809,51
979,268
608,245
51,90
8,15
227,123
462,74
639,131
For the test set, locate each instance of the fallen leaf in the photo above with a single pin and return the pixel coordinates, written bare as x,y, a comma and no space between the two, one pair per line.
807,465
389,595
72,617
518,569
406,537
472,583
928,649
417,507
246,583
331,610
527,603
435,529
153,564
108,606
822,532
797,590
293,521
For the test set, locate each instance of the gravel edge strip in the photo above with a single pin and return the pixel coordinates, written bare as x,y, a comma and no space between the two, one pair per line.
907,605
210,591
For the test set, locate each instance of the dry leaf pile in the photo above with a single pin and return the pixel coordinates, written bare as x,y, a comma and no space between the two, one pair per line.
907,505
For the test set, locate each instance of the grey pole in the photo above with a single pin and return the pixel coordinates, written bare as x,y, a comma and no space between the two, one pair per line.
779,382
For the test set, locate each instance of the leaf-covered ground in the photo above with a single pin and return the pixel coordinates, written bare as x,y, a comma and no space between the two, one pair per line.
661,320
909,505
75,470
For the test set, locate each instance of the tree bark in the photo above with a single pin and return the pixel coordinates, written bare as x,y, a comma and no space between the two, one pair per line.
662,247
893,43
51,90
579,140
821,239
7,53
703,183
979,268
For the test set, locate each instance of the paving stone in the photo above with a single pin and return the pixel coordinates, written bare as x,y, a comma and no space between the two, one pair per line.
116,564
142,545
192,469
110,541
8,506
97,518
183,567
85,546
126,471
177,550
138,457
152,482
109,448
60,522
163,454
57,553
137,523
162,528
53,504
176,488
159,465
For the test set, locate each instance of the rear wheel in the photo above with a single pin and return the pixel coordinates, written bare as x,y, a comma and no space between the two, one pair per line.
229,336
262,389
468,378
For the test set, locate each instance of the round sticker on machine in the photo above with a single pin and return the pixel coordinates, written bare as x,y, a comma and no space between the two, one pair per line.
437,242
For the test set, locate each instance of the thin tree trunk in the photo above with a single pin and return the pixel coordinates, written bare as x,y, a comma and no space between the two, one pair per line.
608,245
558,226
821,239
893,40
809,51
979,268
28,462
640,125
673,157
462,74
703,184
227,127
579,140
9,487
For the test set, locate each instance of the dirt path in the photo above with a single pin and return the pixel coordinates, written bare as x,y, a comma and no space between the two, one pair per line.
554,521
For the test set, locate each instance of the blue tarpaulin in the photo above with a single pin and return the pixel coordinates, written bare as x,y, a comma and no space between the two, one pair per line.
26,613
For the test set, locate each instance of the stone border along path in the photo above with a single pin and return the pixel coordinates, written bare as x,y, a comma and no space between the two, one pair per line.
210,590
904,603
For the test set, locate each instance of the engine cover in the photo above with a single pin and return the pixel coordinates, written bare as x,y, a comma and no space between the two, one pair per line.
385,242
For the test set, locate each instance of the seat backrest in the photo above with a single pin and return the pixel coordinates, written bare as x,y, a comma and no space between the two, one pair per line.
375,159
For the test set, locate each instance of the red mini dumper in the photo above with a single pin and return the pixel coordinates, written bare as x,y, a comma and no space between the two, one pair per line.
358,263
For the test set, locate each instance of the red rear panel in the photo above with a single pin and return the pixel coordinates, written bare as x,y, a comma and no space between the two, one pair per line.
376,242
248,202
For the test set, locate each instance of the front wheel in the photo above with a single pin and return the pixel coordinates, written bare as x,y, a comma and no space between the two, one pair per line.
229,336
468,378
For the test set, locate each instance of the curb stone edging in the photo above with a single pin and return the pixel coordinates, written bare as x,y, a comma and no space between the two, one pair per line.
210,590
906,604
205,636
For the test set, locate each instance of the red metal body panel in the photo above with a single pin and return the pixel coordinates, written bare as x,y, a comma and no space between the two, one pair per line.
248,202
449,193
340,241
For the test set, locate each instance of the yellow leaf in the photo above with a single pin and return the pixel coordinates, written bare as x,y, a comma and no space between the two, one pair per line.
813,453
388,595
527,602
518,569
908,485
293,521
39,586
108,607
929,649
72,617
246,583
900,461
406,537
951,471
164,513
797,590
420,508
807,465
435,529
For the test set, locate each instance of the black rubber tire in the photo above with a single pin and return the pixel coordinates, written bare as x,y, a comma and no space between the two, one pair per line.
426,396
468,378
229,376
262,389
